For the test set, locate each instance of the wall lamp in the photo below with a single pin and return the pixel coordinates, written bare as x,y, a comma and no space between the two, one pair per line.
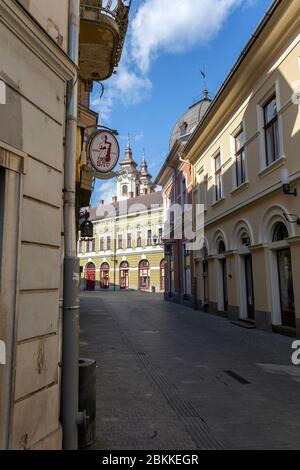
292,218
286,183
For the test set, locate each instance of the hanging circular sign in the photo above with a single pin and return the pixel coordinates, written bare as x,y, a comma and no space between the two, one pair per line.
103,151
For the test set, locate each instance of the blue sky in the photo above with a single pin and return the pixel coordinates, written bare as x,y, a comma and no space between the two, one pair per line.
168,43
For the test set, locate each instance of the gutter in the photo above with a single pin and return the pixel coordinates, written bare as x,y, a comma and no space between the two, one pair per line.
70,339
269,14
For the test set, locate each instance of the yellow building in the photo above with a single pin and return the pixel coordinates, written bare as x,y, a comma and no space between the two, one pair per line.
127,250
245,159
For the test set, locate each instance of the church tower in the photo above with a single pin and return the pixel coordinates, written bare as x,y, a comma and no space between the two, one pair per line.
128,184
146,185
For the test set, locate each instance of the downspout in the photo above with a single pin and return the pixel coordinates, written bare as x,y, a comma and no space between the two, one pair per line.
70,340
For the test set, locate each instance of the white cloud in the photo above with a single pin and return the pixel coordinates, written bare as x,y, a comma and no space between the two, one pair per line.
104,191
126,86
175,26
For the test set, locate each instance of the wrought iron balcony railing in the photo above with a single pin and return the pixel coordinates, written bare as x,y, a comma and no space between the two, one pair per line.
103,30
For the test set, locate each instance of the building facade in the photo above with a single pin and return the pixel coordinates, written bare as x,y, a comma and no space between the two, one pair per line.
243,156
36,69
176,178
127,249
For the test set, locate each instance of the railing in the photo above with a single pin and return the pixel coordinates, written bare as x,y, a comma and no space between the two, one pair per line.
117,10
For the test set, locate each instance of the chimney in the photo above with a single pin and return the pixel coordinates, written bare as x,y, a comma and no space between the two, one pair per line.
114,199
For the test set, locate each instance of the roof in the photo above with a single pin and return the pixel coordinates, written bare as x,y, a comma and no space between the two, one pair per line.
143,202
191,118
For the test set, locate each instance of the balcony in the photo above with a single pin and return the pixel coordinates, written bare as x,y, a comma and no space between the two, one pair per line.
103,27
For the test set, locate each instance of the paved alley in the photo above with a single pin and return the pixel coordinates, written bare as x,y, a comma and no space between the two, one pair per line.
171,378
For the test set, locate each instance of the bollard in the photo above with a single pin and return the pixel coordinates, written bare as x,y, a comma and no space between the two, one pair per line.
87,402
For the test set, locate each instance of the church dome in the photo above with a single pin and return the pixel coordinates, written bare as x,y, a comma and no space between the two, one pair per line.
188,122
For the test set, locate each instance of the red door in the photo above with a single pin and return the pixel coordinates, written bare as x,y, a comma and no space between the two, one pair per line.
90,276
124,275
163,276
144,275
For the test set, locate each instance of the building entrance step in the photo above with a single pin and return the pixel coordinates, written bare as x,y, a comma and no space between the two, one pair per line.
245,323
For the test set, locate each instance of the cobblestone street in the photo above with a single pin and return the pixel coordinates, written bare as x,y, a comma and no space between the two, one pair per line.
171,378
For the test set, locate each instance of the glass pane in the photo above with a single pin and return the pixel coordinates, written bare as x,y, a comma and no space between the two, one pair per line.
240,141
218,162
269,146
270,110
276,140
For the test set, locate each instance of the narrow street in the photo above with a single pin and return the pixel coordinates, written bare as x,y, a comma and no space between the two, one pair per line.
171,378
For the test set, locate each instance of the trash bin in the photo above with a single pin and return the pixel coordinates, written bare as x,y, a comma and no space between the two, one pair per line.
87,402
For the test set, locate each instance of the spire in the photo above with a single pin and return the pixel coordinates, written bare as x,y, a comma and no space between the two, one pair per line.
128,142
128,151
144,167
128,161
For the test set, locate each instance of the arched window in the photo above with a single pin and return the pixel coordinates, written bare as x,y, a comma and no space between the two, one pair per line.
163,266
280,232
222,248
124,190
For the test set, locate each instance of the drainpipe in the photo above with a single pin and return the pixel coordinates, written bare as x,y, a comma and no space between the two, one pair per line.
70,346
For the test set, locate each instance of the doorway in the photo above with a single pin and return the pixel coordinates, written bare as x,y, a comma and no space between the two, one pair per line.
90,277
124,275
286,287
249,287
104,276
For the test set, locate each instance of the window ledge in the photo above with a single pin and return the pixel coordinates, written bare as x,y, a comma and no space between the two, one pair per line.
240,188
216,203
272,167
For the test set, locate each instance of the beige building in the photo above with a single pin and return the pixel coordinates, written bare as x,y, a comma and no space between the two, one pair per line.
241,153
127,249
35,52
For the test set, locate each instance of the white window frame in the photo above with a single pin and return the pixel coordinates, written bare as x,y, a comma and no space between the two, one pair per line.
213,166
275,89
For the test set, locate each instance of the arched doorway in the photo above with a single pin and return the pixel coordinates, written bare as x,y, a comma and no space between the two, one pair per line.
163,265
104,276
285,275
124,275
205,301
144,275
90,276
223,291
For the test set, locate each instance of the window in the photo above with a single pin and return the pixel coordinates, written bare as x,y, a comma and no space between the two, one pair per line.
120,242
108,243
87,246
79,245
93,245
101,244
218,177
183,196
271,130
139,239
222,247
149,238
240,158
137,192
124,190
187,271
129,240
280,232
160,235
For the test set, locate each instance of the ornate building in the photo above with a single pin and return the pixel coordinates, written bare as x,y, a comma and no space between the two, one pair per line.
243,159
127,251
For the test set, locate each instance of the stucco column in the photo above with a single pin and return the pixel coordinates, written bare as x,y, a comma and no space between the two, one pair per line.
261,286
